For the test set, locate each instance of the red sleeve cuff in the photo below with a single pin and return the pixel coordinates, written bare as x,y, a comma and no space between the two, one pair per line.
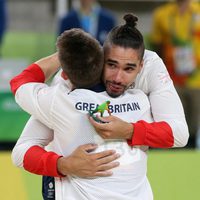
39,161
33,73
156,134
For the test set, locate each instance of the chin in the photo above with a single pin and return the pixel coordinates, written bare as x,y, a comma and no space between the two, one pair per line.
113,95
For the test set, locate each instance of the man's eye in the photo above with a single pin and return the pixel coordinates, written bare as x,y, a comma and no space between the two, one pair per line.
111,65
130,69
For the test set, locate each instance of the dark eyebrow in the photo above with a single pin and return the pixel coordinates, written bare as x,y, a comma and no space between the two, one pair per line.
110,60
133,65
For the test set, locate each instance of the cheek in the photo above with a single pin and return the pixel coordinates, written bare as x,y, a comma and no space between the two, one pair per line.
107,74
104,76
130,79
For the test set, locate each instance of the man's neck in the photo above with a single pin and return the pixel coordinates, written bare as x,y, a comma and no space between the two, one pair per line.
99,87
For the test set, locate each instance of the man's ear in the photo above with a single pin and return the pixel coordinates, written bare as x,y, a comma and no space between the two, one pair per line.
64,75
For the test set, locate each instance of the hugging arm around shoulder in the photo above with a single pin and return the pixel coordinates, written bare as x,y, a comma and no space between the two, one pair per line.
29,151
169,128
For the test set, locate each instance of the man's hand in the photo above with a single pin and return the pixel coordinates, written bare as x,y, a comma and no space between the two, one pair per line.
84,164
113,128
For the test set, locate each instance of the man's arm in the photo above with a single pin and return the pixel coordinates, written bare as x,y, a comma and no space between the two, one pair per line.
29,150
30,154
156,134
165,102
170,127
49,65
83,163
35,136
35,97
38,72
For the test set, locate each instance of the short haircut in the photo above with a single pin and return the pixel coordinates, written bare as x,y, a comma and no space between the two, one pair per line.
81,57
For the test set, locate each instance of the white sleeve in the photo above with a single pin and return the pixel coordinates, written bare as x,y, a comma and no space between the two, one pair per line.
34,133
164,100
36,99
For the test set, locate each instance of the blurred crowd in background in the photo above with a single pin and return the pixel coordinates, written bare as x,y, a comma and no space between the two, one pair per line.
28,31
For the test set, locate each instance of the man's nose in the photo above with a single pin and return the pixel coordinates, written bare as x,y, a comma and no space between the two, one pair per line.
118,76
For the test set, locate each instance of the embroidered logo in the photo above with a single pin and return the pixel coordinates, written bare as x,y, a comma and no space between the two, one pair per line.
164,77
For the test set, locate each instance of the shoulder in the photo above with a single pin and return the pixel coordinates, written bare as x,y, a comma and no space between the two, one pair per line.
152,61
150,55
136,92
134,95
32,88
153,74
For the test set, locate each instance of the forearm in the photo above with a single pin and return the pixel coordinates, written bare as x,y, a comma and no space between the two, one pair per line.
49,65
32,73
41,162
29,150
36,72
165,105
155,134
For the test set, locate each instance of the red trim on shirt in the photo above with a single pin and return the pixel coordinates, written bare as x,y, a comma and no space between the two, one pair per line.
156,134
39,161
32,73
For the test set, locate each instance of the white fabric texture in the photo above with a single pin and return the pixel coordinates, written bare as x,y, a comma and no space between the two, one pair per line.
66,113
153,80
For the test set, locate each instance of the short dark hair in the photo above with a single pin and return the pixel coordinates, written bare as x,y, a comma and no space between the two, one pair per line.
81,57
127,36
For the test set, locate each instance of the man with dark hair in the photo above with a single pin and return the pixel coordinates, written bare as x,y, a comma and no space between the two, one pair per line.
170,129
86,70
66,110
122,60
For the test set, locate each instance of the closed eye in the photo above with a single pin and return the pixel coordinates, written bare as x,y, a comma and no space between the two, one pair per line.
111,64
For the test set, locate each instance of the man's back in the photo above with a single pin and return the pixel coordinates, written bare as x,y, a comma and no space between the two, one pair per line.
67,115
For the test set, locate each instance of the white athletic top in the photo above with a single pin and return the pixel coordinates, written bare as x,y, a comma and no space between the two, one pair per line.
66,113
153,79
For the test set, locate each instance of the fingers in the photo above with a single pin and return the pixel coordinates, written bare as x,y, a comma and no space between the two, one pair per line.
105,119
84,164
103,129
109,154
105,163
108,159
104,170
103,154
93,122
88,147
97,125
108,166
103,173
